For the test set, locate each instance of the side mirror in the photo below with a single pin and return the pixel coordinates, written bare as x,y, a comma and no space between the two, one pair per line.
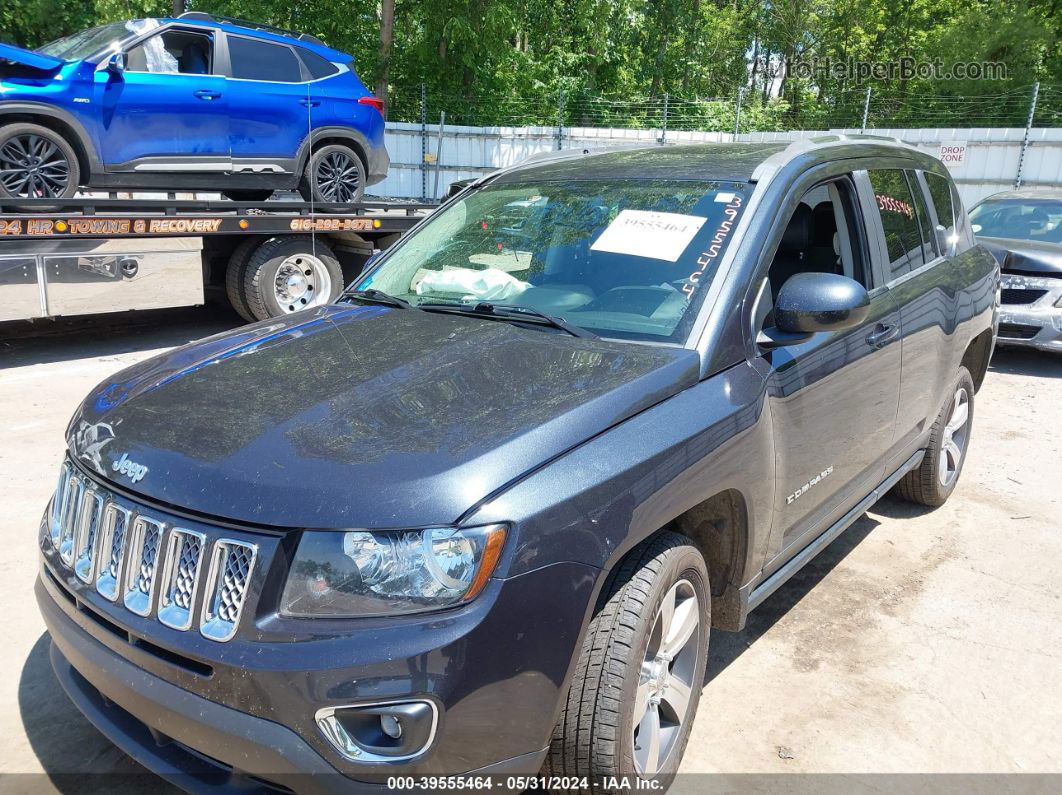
116,63
810,302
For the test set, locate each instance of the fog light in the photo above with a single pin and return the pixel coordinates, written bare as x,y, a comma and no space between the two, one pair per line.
380,732
391,726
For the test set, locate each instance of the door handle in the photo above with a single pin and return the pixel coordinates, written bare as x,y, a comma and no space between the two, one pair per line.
882,335
309,103
207,95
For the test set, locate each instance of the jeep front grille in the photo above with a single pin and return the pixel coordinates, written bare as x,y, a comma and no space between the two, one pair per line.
155,567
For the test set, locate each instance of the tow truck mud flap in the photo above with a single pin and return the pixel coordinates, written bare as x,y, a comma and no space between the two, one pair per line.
76,277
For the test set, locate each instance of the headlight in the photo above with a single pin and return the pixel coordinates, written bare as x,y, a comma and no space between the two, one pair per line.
361,573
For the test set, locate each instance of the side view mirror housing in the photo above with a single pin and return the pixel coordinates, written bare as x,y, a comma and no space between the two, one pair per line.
116,63
811,302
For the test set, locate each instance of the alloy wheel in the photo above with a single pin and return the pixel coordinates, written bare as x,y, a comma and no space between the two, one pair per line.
33,167
665,683
338,178
302,281
953,440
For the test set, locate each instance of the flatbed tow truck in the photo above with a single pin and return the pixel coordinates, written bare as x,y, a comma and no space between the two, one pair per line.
92,255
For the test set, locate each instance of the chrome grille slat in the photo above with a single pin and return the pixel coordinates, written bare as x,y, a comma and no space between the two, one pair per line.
112,550
125,552
71,503
231,563
88,526
180,577
145,540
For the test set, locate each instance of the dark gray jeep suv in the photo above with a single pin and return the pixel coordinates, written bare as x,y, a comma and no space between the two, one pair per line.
479,516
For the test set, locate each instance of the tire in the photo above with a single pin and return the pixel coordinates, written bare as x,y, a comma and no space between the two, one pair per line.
333,159
933,481
234,277
595,736
32,146
247,195
314,264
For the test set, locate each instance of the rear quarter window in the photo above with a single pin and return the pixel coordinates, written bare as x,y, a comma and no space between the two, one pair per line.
317,66
941,194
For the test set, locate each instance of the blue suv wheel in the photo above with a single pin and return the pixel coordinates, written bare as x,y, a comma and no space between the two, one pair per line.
334,175
35,163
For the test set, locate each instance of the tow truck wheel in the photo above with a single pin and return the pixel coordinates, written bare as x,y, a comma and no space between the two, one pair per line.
35,163
334,175
288,274
234,277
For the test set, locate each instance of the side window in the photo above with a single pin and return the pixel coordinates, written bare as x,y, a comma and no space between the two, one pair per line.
899,220
317,66
929,238
940,193
260,60
822,236
174,52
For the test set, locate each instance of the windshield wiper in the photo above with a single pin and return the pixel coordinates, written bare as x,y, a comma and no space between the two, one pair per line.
509,312
379,297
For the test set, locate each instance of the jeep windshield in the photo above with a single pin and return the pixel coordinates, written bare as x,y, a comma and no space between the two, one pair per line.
78,46
628,258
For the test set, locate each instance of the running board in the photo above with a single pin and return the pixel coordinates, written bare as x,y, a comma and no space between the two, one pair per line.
772,583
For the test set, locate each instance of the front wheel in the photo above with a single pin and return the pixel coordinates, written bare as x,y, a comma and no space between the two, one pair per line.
638,679
334,175
35,163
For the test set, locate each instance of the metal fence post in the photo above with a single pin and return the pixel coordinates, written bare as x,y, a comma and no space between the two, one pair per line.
866,112
663,121
423,141
737,111
1028,126
438,153
560,120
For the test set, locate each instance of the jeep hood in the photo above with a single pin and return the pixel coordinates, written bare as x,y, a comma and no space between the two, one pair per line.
361,416
10,54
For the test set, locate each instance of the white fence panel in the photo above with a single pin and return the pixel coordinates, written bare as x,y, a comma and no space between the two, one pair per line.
990,163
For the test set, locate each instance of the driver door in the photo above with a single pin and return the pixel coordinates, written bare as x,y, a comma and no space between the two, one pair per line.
833,398
168,110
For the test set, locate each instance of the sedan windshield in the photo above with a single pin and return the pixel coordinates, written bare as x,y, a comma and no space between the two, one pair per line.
626,258
1019,219
79,46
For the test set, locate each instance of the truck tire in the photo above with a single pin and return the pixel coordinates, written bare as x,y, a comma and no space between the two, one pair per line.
234,277
290,273
933,481
334,175
635,674
36,163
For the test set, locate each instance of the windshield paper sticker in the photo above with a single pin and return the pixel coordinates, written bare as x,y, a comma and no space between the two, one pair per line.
643,233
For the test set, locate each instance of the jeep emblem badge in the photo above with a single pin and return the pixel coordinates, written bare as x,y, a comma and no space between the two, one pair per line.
130,468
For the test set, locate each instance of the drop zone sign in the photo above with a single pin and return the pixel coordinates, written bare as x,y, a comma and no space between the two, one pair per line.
953,153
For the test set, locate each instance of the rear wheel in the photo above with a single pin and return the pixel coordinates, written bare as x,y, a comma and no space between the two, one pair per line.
638,679
35,163
288,274
247,195
933,481
334,175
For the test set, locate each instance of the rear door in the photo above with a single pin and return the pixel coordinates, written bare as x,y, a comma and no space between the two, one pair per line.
269,110
167,111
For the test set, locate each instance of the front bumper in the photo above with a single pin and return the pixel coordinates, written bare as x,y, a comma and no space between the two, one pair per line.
1037,324
497,690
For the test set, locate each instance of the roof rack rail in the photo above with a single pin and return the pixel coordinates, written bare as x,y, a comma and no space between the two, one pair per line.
205,16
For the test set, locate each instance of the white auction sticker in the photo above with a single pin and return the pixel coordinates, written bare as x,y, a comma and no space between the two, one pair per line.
643,233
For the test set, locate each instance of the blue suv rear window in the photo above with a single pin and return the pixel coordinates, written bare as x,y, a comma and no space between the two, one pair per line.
260,60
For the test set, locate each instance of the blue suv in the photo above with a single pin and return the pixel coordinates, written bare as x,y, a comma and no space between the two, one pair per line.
193,103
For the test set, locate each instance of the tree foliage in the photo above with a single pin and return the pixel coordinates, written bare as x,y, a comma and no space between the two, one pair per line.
510,61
